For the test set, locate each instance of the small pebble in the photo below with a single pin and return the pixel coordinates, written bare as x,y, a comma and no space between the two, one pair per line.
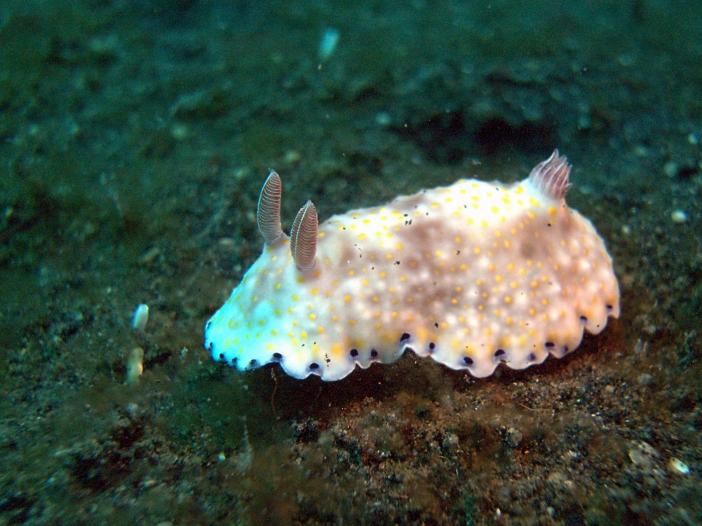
179,131
645,379
514,436
292,157
678,466
670,168
383,118
678,216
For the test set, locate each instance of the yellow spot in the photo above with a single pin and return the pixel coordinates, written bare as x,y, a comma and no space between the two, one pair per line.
552,211
295,297
274,332
362,236
278,286
320,329
351,272
314,291
347,298
463,266
476,250
508,299
382,275
313,316
458,239
498,278
277,311
232,324
454,301
321,235
337,350
438,253
303,335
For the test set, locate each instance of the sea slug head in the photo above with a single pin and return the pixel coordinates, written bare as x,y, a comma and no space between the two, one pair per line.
260,320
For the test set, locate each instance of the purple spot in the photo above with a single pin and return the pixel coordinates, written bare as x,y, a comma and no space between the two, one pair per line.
468,360
353,352
374,353
314,366
277,356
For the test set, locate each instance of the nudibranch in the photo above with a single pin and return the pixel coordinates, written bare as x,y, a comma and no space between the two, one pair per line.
474,274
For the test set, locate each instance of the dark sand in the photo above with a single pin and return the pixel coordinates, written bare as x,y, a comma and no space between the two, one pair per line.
135,137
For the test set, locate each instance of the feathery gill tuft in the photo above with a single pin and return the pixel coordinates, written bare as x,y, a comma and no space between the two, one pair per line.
552,175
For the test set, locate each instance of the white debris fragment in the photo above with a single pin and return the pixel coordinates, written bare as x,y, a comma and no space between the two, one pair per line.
678,466
140,317
327,46
134,365
678,216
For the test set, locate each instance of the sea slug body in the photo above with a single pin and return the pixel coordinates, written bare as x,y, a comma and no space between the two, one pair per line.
474,274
